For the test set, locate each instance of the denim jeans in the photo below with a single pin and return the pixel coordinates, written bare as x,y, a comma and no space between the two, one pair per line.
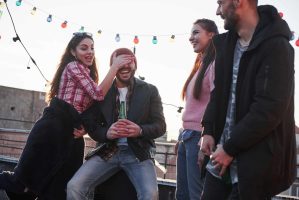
95,171
189,182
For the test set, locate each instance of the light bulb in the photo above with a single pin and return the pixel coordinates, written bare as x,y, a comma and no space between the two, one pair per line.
293,35
81,29
155,40
297,43
1,4
18,2
99,32
172,38
64,24
136,40
49,19
281,14
117,37
33,11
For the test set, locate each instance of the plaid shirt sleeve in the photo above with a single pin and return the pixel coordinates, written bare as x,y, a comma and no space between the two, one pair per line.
81,76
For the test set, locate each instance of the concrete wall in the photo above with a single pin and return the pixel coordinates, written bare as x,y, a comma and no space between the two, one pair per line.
20,108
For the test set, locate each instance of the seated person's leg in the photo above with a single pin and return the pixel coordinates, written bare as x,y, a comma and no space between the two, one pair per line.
116,188
144,178
93,172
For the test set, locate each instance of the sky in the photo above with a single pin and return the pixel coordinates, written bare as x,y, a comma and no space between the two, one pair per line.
165,64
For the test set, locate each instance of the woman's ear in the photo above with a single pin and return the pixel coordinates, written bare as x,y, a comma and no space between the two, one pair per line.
211,35
73,53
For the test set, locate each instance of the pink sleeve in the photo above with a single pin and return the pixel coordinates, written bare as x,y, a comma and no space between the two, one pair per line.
82,78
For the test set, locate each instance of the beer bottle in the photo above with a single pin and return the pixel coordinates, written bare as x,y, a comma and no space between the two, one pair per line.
122,110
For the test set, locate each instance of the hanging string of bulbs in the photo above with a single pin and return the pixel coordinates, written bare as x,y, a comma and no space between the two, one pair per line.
65,23
135,38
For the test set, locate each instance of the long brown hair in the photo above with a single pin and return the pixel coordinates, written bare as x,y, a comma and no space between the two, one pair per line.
203,59
66,58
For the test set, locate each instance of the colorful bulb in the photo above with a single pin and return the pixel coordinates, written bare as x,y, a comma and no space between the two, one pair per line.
172,38
297,43
64,24
49,19
117,37
281,14
81,29
155,40
293,35
18,2
33,11
136,40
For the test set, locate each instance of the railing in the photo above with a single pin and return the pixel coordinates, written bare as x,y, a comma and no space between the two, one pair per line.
13,141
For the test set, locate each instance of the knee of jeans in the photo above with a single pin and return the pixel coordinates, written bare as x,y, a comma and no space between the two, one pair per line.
73,185
149,194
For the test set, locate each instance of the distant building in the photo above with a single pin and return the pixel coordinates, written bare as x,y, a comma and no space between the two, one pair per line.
20,108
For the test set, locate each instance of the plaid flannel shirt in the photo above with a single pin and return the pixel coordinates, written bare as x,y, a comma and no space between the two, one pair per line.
77,87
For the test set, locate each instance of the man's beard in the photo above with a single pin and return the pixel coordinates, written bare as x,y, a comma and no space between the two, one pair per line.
127,81
231,18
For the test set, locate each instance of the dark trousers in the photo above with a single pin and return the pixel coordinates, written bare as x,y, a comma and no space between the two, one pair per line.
216,189
13,187
10,183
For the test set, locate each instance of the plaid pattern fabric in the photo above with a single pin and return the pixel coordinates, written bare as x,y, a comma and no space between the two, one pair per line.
77,88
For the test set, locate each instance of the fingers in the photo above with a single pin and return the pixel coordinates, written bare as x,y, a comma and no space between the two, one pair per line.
121,60
223,169
200,159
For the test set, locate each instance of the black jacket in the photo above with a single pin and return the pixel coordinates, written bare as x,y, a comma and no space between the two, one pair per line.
145,109
51,155
263,139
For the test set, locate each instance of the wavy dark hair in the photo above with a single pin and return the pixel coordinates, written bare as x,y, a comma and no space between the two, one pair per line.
203,59
66,58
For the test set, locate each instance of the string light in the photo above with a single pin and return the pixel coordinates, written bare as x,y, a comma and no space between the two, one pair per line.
18,2
180,108
297,42
117,37
293,35
1,4
33,11
154,40
172,38
81,29
28,67
281,14
136,40
64,24
49,18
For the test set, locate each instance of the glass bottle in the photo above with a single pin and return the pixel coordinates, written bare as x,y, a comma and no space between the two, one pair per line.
122,110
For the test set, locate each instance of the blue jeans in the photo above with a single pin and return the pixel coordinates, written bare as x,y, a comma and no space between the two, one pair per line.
95,171
189,181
